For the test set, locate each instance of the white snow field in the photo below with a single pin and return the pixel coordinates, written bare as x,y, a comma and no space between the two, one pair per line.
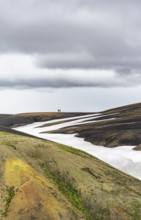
123,158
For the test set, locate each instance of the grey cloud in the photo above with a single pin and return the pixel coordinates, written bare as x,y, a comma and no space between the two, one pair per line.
69,80
49,83
79,34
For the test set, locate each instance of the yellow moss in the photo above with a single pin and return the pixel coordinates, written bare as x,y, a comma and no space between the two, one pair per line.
17,172
35,194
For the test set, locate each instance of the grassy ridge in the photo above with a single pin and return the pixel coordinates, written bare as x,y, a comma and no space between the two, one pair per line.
44,180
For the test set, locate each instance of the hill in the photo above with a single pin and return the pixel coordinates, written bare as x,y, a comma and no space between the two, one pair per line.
44,180
115,127
27,118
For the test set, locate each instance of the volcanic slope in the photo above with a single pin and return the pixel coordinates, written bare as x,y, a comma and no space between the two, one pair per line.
28,118
44,180
115,127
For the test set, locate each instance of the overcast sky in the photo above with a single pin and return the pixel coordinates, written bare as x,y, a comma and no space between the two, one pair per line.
75,55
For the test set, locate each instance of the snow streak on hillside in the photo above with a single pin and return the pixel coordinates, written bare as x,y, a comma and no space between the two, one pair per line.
123,158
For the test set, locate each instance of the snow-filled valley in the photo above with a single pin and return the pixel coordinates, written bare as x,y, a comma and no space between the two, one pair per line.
123,158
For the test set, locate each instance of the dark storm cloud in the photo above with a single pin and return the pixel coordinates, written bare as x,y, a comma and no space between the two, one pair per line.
70,79
57,83
43,83
79,34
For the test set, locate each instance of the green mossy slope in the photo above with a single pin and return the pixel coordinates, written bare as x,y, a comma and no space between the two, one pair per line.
43,180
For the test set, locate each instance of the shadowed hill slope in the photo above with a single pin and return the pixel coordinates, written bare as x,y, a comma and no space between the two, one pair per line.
47,181
115,127
27,118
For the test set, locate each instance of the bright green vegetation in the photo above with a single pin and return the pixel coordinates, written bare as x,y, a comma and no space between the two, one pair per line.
67,186
11,193
73,150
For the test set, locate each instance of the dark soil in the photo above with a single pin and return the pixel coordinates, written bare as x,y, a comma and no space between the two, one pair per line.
124,128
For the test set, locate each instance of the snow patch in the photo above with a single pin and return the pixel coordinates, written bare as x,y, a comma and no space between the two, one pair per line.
123,158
